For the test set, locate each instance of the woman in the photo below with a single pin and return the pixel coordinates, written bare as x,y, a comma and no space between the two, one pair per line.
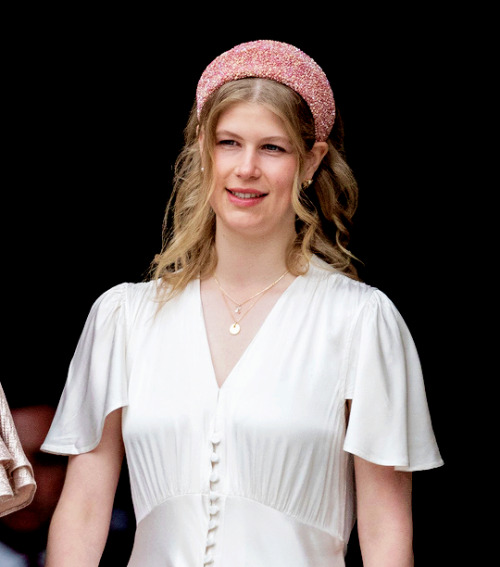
254,369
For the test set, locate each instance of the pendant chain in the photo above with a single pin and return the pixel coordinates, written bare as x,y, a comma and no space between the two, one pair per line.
235,328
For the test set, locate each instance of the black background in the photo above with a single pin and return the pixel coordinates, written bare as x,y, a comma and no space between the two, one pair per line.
95,111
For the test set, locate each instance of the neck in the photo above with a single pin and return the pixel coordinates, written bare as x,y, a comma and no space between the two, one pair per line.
249,262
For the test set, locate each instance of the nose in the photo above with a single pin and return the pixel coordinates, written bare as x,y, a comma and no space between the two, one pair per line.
248,166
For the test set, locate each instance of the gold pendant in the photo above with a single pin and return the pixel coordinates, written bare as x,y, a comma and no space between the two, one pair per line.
234,329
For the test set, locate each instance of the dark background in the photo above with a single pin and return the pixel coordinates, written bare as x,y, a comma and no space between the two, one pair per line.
96,106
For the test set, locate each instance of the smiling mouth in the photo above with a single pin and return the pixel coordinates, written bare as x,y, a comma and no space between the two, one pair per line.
241,195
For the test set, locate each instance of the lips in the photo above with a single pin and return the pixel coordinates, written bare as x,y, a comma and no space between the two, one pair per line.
246,193
245,197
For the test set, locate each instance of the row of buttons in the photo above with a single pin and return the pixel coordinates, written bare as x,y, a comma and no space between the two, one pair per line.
213,509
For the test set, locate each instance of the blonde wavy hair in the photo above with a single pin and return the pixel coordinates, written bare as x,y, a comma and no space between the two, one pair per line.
324,210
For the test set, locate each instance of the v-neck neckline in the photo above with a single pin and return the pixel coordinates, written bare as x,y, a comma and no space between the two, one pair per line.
255,338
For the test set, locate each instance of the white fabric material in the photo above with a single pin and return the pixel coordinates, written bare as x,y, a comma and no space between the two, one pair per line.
258,472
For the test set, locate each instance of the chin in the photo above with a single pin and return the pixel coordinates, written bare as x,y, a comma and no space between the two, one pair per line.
253,225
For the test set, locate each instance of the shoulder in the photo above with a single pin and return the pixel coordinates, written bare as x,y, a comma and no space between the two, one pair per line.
126,292
146,300
126,298
340,294
334,284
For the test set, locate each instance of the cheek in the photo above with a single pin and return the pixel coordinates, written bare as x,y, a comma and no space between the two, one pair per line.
285,175
221,166
284,183
216,200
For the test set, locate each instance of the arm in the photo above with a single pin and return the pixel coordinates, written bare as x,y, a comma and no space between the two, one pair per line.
80,524
385,524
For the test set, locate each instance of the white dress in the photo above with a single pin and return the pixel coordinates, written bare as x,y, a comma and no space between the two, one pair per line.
257,473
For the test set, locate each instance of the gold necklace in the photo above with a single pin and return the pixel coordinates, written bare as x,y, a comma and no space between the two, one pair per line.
235,327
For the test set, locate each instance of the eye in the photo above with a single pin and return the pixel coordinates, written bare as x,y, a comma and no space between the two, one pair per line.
227,142
273,148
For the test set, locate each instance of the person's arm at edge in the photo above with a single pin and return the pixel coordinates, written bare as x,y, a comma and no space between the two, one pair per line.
80,523
384,510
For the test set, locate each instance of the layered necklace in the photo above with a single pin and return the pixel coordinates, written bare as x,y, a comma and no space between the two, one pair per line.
236,311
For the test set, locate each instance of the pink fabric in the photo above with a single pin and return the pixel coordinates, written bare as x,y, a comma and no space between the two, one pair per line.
280,62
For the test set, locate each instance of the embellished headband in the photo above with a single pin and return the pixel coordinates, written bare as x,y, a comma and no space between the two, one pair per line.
281,62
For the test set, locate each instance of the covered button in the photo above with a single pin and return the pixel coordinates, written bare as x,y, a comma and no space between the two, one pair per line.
216,438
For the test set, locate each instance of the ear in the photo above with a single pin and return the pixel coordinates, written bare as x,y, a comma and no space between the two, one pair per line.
314,158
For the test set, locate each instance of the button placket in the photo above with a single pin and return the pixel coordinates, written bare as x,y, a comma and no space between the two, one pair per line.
214,497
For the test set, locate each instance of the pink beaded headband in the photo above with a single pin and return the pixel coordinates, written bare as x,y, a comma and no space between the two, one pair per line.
280,62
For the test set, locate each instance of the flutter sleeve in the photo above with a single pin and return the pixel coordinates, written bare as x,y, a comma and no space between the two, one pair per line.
97,379
389,422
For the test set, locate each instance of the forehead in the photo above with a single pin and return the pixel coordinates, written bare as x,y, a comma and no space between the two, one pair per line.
251,117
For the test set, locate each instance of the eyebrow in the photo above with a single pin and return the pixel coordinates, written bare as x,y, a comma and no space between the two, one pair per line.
229,134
